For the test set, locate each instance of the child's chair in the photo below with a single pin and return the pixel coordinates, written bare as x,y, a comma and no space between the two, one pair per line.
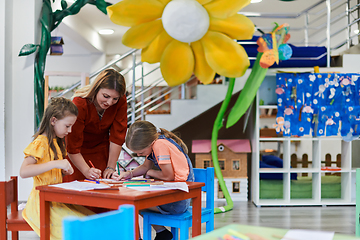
357,208
184,221
13,221
117,224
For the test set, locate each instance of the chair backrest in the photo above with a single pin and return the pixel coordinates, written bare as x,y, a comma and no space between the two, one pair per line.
118,224
206,176
8,195
357,204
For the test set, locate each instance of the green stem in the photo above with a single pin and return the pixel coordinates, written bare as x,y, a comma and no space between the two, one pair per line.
217,126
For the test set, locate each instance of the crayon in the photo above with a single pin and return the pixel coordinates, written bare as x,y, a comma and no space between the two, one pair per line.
92,181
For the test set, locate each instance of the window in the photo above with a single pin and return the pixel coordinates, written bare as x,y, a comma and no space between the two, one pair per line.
236,165
236,187
206,164
222,164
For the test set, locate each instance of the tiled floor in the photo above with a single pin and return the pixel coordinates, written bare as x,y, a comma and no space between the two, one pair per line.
340,219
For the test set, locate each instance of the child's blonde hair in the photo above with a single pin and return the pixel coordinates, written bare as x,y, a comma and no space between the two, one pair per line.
59,108
142,133
108,79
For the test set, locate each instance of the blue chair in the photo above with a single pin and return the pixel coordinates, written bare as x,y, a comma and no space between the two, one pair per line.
184,221
119,224
357,204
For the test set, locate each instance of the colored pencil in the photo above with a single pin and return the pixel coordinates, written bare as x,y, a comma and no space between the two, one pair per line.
92,181
92,165
118,168
137,185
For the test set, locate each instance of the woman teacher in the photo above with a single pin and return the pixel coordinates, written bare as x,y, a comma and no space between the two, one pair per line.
97,136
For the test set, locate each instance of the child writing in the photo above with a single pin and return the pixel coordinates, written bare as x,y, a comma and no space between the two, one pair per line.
45,162
168,153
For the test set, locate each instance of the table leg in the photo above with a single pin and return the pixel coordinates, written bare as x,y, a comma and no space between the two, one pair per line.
137,231
196,208
44,218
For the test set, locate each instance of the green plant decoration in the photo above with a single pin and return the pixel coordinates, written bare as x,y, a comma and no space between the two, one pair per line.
271,46
49,21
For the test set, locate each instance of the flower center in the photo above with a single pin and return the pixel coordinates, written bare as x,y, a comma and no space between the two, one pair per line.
185,20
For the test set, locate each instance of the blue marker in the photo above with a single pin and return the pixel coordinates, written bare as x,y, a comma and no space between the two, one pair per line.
92,181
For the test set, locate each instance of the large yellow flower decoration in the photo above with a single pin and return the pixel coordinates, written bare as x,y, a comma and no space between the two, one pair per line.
187,36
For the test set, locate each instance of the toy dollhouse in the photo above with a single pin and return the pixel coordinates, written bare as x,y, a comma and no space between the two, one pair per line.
127,162
233,159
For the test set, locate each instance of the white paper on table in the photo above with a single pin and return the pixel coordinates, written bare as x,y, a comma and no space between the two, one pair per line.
300,234
80,186
167,185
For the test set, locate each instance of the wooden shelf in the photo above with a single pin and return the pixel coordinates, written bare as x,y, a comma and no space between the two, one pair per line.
317,150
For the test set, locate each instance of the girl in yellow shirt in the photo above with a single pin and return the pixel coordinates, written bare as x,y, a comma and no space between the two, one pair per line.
45,162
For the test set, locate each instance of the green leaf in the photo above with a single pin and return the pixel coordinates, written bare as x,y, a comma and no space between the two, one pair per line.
63,4
101,5
248,93
28,49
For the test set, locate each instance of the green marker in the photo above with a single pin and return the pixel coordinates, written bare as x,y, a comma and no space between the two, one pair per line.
137,185
118,167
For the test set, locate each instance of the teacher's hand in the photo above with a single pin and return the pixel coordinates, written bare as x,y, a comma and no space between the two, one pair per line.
108,172
93,173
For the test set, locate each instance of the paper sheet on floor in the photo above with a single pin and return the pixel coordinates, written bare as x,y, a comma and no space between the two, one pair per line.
80,186
167,185
300,234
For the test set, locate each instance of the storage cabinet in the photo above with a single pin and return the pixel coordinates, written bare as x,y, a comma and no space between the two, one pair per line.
305,158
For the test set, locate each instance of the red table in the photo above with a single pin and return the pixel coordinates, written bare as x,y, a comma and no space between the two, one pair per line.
111,199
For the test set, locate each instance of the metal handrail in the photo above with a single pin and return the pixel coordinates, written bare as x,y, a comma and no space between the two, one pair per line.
75,85
151,102
150,86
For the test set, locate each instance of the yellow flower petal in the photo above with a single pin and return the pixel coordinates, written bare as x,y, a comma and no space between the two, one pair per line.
164,1
140,36
153,52
177,63
202,2
225,8
132,12
237,26
224,55
202,69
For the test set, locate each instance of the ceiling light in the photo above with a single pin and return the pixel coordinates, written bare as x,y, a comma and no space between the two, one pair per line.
256,1
356,31
250,14
106,31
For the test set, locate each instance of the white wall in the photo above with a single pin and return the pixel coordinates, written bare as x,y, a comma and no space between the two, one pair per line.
19,84
2,90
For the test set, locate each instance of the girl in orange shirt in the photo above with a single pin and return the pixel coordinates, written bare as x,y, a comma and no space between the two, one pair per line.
168,153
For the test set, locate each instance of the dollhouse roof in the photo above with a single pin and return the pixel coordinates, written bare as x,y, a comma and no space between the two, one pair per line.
128,159
236,145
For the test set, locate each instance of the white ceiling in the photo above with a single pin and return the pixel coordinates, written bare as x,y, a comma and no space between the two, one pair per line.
96,20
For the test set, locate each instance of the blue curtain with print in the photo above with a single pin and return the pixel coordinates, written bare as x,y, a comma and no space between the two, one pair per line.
318,104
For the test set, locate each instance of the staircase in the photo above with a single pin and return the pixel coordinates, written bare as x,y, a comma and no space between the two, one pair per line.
183,110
